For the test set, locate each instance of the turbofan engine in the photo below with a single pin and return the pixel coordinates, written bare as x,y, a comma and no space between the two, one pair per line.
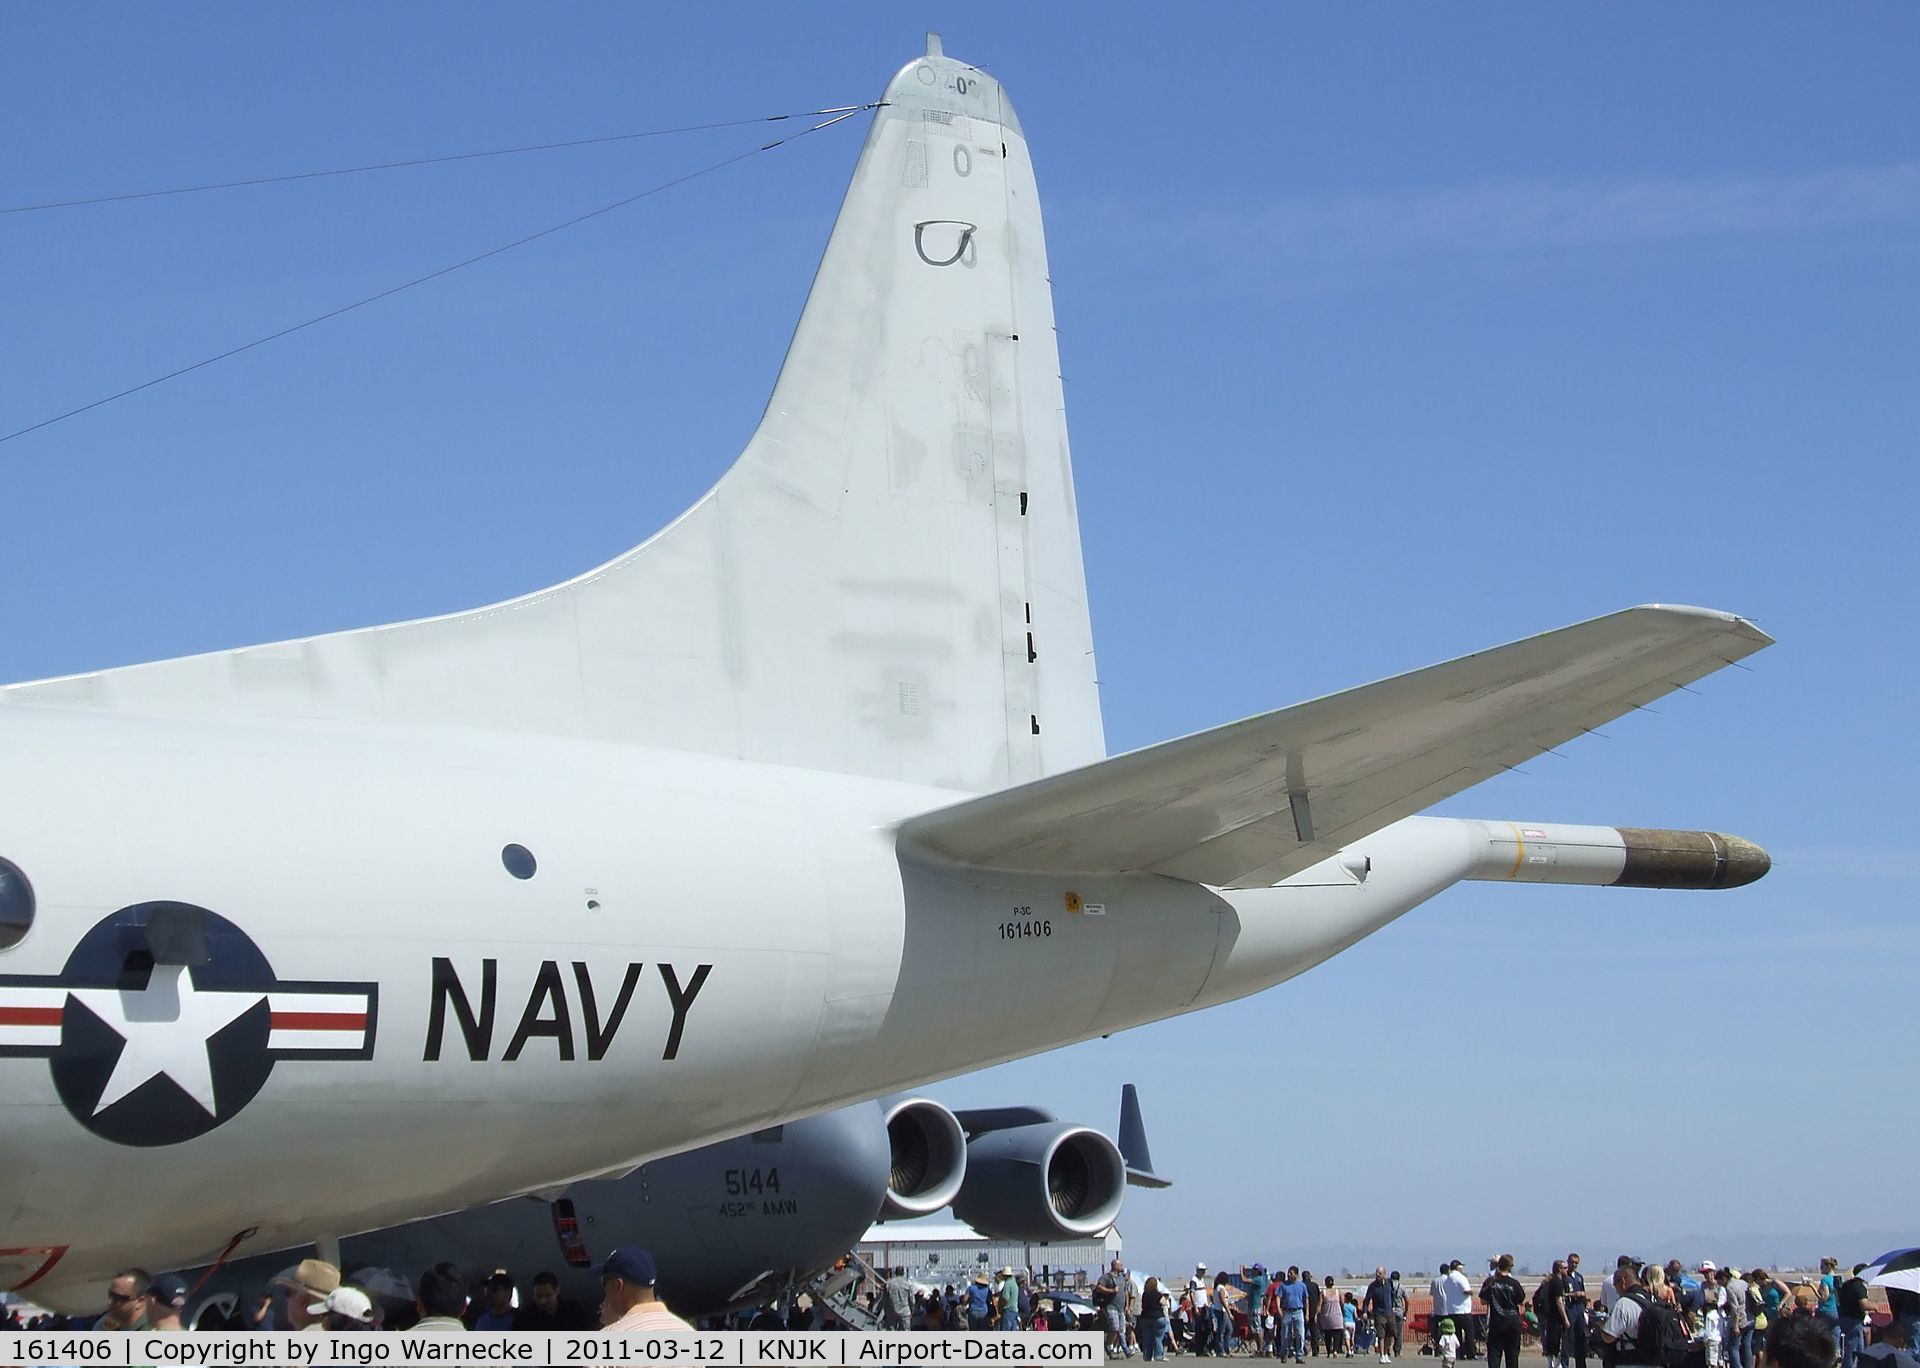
929,1157
1045,1181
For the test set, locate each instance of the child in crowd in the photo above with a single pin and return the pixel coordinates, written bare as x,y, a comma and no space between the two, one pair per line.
1449,1343
1711,1333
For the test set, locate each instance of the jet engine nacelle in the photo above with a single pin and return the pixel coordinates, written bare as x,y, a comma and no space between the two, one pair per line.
929,1157
1046,1181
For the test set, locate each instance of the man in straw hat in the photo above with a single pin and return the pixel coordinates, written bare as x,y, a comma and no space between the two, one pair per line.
1006,1301
310,1282
980,1302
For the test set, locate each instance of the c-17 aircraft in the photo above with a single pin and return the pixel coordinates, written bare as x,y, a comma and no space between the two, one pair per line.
761,1217
803,801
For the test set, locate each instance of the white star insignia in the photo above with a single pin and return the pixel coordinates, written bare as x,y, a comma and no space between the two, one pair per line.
166,1026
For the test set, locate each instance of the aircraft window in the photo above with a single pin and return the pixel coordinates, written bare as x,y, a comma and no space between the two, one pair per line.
519,861
16,905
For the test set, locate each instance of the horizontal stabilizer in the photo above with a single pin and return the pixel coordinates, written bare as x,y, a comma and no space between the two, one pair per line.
1251,803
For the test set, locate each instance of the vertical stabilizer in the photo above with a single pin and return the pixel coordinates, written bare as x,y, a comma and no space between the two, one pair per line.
888,582
1133,1143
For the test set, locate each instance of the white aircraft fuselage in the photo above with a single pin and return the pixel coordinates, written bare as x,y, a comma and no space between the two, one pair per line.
774,954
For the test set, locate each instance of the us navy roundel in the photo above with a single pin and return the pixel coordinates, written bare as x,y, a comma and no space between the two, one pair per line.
167,1020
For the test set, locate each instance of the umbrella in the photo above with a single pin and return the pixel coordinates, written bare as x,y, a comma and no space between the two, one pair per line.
1901,1269
390,1291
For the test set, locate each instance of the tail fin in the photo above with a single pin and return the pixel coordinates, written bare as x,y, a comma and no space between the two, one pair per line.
888,582
1133,1143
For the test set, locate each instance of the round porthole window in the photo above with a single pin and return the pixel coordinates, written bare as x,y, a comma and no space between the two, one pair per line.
16,905
519,861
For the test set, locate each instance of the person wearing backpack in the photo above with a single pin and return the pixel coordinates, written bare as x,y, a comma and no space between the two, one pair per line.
1663,1340
1829,1288
1506,1302
1623,1319
1644,1326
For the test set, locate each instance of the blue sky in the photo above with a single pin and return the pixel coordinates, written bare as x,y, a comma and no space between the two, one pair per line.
1389,334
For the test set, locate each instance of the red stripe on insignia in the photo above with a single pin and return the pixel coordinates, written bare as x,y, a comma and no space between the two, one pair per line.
318,1021
32,1016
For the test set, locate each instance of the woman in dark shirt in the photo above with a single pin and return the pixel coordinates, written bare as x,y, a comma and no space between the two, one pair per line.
1152,1327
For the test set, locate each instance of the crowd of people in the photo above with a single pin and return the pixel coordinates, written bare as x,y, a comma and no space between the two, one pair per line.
1661,1315
315,1297
1652,1314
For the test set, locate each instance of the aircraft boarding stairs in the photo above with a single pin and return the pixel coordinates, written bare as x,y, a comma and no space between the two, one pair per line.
838,1291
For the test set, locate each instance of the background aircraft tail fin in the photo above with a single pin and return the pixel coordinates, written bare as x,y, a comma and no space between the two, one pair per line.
1133,1143
888,581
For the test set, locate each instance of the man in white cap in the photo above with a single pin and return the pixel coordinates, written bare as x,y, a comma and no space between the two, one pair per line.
1202,1309
1710,1293
345,1308
309,1283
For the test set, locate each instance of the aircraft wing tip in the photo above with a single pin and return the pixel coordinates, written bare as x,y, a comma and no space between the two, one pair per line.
1745,627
